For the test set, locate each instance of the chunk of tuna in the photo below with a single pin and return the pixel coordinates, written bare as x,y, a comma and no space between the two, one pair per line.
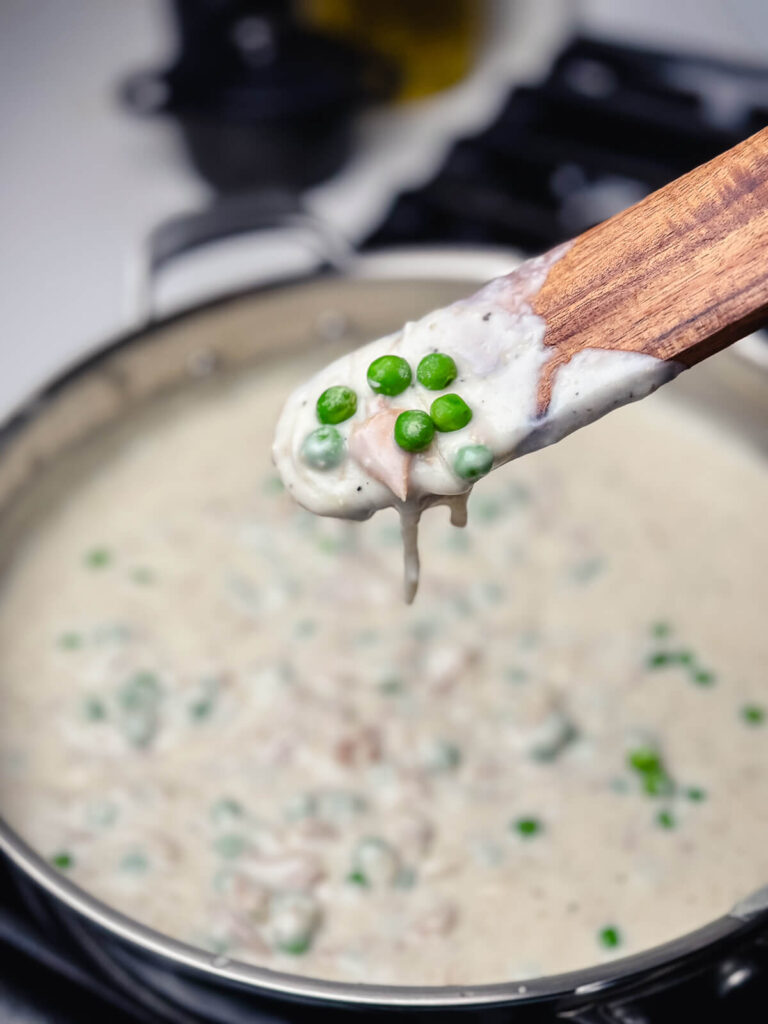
372,444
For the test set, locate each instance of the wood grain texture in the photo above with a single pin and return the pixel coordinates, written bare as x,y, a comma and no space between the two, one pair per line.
678,276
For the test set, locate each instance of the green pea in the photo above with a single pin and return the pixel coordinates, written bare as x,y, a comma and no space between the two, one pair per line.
610,937
112,633
644,760
405,878
226,811
658,783
390,535
300,806
140,691
442,756
376,860
323,448
142,575
63,860
230,845
367,637
389,375
703,677
358,878
97,558
414,430
587,570
436,371
101,814
295,947
139,726
473,461
135,862
94,709
527,827
662,659
272,485
553,737
215,944
392,687
339,805
653,775
199,710
203,703
450,412
488,509
336,404
459,541
294,920
138,701
70,641
753,714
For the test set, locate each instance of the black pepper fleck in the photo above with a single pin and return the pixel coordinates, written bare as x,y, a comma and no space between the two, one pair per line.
360,488
487,317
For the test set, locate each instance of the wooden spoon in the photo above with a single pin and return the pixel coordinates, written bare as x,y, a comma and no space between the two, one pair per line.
678,276
662,285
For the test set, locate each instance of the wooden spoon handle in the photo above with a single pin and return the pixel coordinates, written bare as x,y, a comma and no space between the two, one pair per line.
680,275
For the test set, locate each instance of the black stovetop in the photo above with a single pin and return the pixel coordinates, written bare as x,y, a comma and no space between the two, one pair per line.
607,125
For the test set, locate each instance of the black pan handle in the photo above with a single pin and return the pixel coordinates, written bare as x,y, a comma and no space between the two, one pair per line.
229,217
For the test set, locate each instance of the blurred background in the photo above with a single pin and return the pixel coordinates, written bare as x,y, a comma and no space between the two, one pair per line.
510,123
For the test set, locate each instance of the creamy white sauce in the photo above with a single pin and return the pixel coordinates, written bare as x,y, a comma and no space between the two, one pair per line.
498,345
213,704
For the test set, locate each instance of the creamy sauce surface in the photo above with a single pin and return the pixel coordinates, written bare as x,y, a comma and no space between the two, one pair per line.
217,716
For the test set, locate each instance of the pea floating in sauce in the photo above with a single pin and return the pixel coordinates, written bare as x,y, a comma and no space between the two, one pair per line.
375,862
97,558
696,794
753,714
647,763
609,937
527,827
70,641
